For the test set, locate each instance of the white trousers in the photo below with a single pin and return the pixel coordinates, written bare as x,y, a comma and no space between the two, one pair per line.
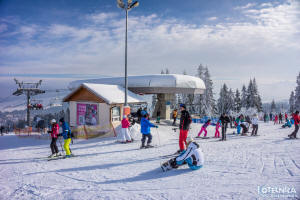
125,135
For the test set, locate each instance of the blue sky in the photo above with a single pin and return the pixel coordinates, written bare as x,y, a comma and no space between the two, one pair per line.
237,40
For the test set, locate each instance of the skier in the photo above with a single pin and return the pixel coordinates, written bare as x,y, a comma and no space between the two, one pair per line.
174,115
66,134
286,117
254,122
204,127
224,121
125,137
193,156
145,130
296,118
276,119
54,134
238,122
2,129
158,117
280,118
184,125
217,133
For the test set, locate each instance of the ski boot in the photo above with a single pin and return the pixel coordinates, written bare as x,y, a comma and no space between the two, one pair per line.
58,154
143,146
166,166
52,155
149,146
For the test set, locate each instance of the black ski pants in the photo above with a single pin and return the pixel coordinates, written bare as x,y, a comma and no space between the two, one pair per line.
255,129
53,146
224,128
295,131
149,136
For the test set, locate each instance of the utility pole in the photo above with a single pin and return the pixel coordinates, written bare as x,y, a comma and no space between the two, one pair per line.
28,89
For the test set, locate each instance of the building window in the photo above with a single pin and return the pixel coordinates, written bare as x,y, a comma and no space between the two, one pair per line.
116,114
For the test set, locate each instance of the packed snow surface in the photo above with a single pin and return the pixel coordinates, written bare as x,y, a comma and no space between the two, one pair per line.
104,169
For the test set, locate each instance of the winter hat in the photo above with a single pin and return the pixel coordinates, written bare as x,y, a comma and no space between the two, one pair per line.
124,116
183,106
189,140
53,121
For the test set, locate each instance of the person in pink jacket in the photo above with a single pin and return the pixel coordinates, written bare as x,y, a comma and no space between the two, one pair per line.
217,133
54,134
125,136
205,125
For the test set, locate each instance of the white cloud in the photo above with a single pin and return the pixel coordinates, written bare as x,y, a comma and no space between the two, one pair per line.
212,18
249,5
263,47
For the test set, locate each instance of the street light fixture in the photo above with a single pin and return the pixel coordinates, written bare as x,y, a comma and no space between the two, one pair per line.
128,6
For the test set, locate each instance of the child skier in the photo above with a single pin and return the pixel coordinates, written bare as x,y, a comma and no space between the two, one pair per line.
296,118
54,134
238,122
125,137
204,127
66,134
217,133
193,156
254,122
145,130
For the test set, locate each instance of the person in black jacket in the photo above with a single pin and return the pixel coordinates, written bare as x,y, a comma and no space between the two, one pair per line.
224,120
185,121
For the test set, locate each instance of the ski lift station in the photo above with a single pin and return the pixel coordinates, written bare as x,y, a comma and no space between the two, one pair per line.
100,101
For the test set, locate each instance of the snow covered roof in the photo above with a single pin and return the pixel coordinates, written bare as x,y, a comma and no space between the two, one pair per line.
151,84
111,94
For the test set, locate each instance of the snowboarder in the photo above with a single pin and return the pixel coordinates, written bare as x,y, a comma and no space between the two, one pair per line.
125,137
184,125
54,134
254,122
66,134
174,116
204,127
145,130
287,124
193,156
296,118
224,121
217,133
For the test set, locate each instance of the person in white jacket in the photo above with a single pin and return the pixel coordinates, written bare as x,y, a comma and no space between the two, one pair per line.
193,156
254,122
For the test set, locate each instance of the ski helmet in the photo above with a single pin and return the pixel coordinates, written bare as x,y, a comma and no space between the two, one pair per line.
53,121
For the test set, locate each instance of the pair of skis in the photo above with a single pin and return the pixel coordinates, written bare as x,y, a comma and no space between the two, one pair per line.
61,157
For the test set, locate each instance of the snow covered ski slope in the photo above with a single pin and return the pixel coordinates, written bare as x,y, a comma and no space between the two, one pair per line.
240,168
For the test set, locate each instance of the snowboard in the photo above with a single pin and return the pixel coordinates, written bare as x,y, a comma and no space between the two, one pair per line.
166,166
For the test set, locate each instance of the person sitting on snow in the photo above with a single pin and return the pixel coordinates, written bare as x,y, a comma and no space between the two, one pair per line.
193,156
287,124
145,130
204,127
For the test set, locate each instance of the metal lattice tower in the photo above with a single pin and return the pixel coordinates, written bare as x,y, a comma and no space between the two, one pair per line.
28,89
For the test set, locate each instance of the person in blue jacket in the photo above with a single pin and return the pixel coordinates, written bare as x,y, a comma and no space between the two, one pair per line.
66,134
145,130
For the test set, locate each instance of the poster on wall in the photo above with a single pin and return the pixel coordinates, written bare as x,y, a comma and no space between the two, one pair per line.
87,114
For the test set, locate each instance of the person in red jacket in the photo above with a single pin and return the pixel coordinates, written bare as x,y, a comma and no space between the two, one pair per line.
276,119
54,134
125,136
296,118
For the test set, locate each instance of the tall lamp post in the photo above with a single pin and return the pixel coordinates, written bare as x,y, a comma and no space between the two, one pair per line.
128,6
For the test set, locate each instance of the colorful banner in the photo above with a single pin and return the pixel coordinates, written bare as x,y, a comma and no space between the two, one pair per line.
87,114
